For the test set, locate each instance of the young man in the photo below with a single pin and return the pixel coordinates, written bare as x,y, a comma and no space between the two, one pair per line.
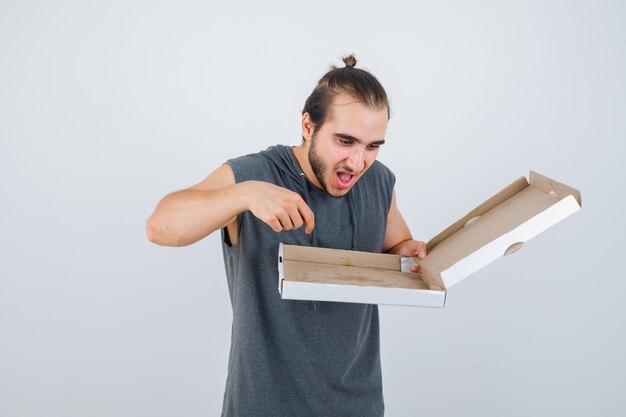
300,358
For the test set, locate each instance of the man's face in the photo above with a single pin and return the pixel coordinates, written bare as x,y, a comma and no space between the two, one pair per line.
347,144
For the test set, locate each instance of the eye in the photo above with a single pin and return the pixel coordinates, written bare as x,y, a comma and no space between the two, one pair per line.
345,142
374,147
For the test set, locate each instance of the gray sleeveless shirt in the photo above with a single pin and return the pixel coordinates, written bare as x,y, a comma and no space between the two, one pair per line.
303,358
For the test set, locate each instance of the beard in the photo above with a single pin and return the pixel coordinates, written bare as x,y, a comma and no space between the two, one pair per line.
317,165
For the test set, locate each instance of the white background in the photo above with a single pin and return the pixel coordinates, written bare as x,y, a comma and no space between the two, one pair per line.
105,107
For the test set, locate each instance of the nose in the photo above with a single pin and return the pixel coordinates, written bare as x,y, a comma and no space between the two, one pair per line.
356,160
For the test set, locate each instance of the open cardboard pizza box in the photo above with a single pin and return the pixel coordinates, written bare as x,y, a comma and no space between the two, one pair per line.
498,227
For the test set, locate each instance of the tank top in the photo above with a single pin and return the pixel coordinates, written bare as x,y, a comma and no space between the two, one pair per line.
303,358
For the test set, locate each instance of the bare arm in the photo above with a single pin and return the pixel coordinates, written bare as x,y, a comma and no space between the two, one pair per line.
398,239
184,217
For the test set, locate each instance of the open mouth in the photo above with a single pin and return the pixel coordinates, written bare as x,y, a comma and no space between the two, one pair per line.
344,180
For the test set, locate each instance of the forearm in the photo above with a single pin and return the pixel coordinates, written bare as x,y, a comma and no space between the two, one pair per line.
400,248
184,217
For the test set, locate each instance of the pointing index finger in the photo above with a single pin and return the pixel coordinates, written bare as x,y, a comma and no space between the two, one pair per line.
308,217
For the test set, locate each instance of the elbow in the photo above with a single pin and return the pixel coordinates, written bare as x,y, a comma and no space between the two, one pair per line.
156,234
152,233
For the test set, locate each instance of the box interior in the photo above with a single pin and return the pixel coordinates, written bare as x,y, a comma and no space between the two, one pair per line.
340,267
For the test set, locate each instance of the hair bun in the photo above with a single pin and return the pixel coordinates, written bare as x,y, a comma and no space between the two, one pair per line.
349,60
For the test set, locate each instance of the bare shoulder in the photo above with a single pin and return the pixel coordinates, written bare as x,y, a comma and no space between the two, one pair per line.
221,177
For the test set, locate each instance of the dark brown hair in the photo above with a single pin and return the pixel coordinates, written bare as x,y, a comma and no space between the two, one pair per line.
356,82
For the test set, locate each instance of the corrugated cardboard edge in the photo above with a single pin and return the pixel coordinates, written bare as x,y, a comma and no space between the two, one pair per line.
281,270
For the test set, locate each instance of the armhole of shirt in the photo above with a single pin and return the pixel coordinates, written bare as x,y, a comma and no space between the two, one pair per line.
240,217
226,237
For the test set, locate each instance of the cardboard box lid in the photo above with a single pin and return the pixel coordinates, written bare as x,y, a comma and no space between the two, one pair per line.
497,227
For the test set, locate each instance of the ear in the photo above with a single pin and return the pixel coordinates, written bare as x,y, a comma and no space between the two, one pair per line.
307,127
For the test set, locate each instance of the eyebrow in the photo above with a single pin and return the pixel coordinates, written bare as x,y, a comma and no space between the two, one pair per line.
352,138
